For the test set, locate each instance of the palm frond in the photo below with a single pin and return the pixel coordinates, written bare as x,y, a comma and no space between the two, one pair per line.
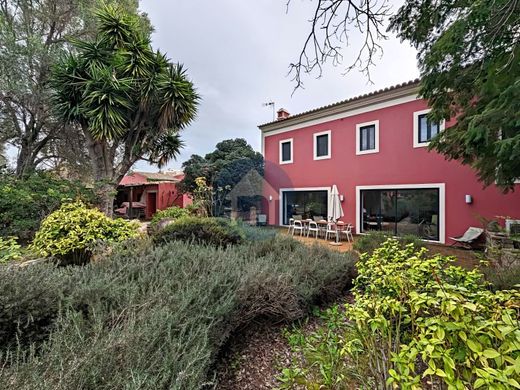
166,148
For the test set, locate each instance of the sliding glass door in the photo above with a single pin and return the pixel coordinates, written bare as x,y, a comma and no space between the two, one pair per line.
401,211
303,205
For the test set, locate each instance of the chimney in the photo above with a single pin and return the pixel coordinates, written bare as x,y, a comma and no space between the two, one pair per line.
282,114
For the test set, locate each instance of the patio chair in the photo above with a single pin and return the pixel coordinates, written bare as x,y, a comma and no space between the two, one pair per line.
347,231
298,226
331,229
291,226
313,227
468,239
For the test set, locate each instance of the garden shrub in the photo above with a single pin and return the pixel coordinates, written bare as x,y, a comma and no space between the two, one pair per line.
154,317
72,232
9,249
24,203
503,278
211,231
367,243
417,319
169,213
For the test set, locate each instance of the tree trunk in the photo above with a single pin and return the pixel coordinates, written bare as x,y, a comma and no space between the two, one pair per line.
24,162
105,184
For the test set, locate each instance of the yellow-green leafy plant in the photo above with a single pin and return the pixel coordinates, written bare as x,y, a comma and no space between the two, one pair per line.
417,321
9,249
71,232
171,212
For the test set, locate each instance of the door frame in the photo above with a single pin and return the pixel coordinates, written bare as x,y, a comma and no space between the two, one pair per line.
442,203
301,189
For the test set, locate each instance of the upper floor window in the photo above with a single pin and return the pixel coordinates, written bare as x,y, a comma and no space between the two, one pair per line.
322,145
286,151
424,129
367,137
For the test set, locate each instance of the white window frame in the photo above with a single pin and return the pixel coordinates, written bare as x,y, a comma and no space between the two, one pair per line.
416,114
442,203
315,137
283,141
358,138
282,190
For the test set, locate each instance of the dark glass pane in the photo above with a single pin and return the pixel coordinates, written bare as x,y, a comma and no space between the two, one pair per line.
401,212
367,137
418,213
304,204
427,129
286,151
322,145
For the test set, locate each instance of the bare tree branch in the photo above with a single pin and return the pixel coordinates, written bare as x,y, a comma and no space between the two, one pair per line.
330,33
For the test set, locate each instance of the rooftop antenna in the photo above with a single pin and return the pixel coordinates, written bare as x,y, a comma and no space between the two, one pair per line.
272,105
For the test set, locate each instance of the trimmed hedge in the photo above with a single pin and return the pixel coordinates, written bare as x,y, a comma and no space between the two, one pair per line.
211,231
169,213
369,242
153,317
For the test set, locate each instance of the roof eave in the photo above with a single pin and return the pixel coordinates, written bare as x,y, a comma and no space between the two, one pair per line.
381,96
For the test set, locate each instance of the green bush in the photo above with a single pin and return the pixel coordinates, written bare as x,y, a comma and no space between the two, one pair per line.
71,232
506,278
418,319
211,231
171,212
9,249
153,317
24,203
367,243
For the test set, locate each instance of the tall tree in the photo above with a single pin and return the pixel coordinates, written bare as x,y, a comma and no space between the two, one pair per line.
32,35
468,58
129,101
225,166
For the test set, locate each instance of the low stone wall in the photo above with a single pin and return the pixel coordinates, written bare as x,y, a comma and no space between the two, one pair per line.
501,250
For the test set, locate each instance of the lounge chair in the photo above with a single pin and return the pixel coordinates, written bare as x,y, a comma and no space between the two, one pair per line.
468,238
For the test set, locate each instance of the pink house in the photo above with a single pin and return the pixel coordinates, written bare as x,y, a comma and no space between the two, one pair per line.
373,147
141,194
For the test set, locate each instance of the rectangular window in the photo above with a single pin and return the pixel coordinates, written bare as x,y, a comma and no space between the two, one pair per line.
367,137
322,145
286,151
401,212
304,205
427,129
424,130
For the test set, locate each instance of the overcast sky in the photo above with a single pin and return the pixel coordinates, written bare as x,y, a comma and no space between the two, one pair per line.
237,53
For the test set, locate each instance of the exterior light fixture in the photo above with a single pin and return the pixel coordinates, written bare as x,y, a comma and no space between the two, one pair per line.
341,198
469,199
270,198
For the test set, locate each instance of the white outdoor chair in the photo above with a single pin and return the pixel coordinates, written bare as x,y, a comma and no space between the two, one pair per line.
291,226
298,226
347,231
313,227
331,229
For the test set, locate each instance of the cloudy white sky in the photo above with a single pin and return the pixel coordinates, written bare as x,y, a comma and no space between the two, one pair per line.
237,53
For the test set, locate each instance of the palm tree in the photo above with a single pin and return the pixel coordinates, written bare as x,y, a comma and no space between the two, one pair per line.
130,101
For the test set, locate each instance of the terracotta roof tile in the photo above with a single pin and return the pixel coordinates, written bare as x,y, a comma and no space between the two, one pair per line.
353,99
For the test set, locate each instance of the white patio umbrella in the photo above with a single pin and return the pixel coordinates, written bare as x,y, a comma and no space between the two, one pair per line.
336,211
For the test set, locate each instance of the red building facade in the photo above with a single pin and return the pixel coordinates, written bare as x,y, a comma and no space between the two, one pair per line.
374,148
149,192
